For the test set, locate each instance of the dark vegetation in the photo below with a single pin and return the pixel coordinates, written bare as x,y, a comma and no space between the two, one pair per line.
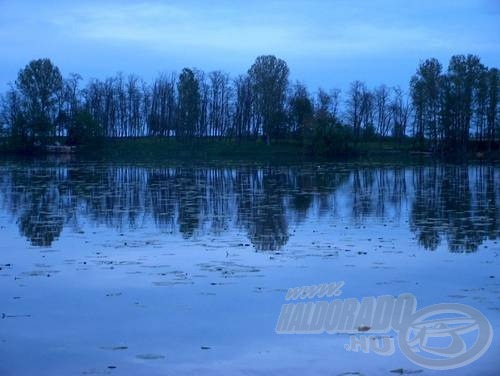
446,112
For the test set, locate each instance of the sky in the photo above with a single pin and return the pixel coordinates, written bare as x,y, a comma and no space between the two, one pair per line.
326,43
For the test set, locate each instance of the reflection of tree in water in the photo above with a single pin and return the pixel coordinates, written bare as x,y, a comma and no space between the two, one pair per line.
448,205
39,223
190,197
362,192
425,207
219,198
462,232
487,199
455,203
261,208
162,194
398,192
41,209
377,192
302,187
115,197
313,186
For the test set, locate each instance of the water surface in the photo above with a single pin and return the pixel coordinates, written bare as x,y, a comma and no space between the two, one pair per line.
176,268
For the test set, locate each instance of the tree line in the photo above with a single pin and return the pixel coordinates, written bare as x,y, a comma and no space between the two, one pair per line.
441,111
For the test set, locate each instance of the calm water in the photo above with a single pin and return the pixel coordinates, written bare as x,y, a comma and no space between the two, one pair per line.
180,268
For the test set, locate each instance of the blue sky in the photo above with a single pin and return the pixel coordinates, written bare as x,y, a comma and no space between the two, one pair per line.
326,43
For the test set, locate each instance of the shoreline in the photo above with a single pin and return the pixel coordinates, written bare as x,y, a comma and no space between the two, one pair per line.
246,149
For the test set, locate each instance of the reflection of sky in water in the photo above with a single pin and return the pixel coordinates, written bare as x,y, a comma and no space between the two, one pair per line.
151,265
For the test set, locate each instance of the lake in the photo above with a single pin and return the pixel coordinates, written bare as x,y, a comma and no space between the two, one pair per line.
183,267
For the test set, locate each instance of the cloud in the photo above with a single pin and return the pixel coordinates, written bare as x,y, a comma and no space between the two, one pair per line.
228,34
292,28
165,27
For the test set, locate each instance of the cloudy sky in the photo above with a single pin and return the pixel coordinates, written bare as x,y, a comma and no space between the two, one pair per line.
326,43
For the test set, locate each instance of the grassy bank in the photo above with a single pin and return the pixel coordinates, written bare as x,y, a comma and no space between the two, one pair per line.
155,147
158,148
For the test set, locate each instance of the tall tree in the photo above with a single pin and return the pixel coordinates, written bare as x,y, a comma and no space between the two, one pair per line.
400,110
219,107
464,73
381,96
367,112
269,77
204,103
243,106
493,106
425,92
12,116
301,110
354,107
188,90
162,116
40,84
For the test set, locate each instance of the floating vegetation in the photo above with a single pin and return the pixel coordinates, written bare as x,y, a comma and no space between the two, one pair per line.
114,348
150,356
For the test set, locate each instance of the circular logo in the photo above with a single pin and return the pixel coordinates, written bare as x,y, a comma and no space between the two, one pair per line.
445,336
